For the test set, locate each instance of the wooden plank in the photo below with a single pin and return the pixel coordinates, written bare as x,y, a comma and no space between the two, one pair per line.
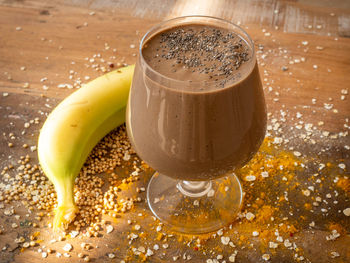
307,17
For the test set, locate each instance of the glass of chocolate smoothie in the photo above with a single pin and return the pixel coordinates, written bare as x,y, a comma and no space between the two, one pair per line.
196,112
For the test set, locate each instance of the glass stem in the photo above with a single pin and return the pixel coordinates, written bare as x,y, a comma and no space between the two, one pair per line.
194,188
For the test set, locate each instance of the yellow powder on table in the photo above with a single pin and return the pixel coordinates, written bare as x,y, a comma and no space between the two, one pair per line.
344,184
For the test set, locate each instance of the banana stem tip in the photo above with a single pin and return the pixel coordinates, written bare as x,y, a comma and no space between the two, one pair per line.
64,215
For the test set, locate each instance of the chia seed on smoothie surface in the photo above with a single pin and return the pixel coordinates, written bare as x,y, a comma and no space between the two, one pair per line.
215,52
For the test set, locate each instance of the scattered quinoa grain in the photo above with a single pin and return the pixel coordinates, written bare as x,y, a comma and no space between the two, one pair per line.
346,211
266,257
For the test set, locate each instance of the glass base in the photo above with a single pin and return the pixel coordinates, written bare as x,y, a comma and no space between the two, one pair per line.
195,207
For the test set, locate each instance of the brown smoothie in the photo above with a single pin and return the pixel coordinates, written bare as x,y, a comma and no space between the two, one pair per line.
196,107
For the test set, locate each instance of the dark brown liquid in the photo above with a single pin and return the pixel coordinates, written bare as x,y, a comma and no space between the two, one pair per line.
188,130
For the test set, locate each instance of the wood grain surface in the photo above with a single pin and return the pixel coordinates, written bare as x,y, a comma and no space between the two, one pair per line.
303,49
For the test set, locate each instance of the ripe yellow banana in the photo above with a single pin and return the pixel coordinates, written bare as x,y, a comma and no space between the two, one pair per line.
74,127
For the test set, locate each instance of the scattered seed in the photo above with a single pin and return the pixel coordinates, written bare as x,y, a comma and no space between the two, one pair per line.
266,257
346,211
250,216
67,247
109,229
225,240
250,178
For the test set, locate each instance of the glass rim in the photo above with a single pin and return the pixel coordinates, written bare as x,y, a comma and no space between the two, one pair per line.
154,29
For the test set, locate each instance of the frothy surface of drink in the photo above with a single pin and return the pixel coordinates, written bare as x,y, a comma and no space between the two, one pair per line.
198,53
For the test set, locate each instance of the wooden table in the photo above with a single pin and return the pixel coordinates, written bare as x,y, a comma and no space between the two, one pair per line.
304,58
